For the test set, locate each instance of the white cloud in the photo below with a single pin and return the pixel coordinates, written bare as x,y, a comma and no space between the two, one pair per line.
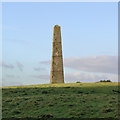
39,69
46,77
89,69
88,77
10,66
80,76
10,76
83,77
100,64
20,66
6,82
45,62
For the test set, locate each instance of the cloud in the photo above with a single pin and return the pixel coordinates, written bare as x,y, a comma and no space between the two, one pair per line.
11,80
39,69
5,83
46,77
10,76
9,66
101,64
83,77
20,66
45,62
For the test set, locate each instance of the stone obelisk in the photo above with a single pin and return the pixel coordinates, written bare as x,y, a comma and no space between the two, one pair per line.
57,73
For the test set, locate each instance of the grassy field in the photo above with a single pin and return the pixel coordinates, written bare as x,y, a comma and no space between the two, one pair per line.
70,100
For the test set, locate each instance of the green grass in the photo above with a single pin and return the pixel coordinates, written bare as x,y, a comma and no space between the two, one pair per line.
73,100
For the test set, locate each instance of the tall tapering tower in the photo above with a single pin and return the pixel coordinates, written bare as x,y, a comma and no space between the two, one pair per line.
57,73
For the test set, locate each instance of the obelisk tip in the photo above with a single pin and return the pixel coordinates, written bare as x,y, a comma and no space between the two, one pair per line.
57,26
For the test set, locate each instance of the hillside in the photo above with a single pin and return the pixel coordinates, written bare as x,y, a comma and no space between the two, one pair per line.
70,100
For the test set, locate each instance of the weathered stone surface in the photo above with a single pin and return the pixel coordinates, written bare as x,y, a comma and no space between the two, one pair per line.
57,73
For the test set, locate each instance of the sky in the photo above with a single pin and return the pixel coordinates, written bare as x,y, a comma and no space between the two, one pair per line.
89,34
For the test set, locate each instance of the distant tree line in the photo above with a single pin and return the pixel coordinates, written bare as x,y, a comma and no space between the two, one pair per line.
105,81
99,81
